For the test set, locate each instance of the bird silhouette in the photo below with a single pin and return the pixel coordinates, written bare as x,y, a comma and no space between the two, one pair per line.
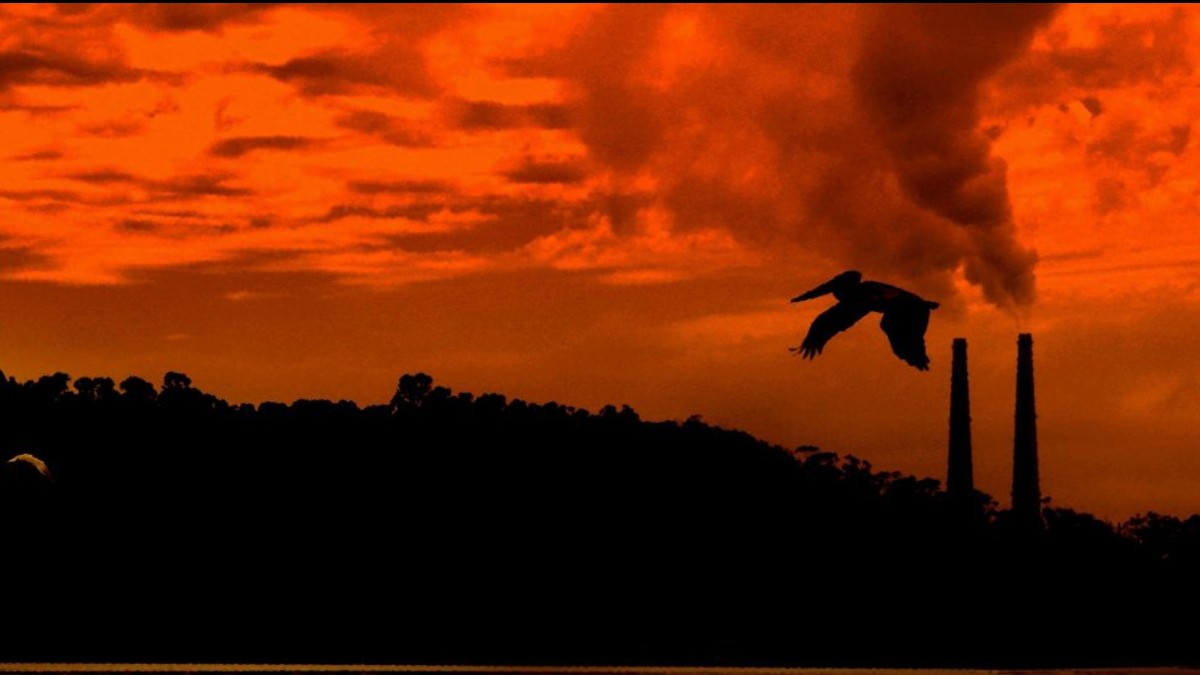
905,316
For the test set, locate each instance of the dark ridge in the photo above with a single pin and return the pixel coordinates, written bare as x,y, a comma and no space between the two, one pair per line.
444,527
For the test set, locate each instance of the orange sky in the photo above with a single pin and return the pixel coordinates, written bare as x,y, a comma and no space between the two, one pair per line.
595,204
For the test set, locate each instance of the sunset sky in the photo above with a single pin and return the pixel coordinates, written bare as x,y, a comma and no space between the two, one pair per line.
593,204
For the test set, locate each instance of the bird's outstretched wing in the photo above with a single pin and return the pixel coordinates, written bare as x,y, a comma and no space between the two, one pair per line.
905,321
827,324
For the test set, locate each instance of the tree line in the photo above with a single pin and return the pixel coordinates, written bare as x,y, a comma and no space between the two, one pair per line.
452,528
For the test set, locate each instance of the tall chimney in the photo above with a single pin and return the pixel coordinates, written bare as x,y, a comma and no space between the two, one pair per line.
1026,495
960,481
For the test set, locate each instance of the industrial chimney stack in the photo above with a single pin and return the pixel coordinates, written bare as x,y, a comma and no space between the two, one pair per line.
1026,494
960,481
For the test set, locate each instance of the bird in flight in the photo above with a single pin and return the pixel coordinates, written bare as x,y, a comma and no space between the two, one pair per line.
905,316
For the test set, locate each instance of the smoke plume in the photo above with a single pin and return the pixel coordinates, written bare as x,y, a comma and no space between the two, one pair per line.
851,133
918,78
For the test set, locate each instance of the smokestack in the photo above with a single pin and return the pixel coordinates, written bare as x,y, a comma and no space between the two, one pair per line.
1026,495
960,481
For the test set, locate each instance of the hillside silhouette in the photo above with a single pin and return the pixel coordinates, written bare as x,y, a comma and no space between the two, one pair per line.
444,527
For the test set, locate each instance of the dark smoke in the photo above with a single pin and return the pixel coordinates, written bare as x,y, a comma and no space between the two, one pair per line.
917,79
844,133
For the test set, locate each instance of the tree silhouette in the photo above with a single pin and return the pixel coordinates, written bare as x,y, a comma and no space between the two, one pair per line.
137,389
409,532
412,390
173,380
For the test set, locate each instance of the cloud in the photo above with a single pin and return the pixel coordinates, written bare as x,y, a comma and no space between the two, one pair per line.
1122,49
123,127
202,16
168,17
37,110
770,124
392,129
1089,52
335,72
554,171
388,267
620,121
505,226
16,258
138,225
390,54
1129,143
798,128
419,211
38,65
402,187
1111,195
40,194
1092,104
1098,119
102,176
173,213
492,115
196,185
236,147
635,166
178,229
653,253
38,156
140,191
918,78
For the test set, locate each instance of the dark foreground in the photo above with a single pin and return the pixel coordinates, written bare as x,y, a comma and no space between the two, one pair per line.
447,528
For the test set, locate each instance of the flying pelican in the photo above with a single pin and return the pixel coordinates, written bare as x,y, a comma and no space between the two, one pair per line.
34,462
905,316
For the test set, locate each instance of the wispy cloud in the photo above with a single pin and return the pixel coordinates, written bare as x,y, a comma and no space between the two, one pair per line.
45,67
551,171
238,146
492,115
